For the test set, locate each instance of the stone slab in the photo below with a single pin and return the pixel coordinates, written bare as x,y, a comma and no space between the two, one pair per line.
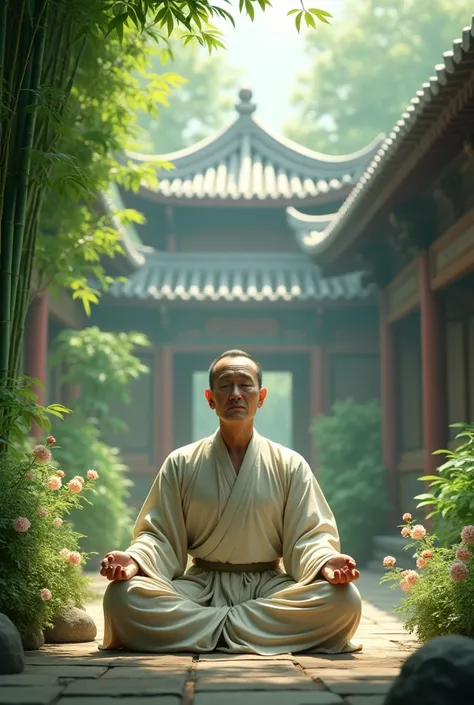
273,666
353,687
283,697
165,685
220,656
28,679
67,671
126,700
146,672
42,695
366,700
257,681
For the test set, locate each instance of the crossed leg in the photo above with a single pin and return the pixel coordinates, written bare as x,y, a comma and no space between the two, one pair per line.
319,617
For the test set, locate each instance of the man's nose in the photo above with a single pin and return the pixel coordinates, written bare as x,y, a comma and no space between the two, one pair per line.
236,393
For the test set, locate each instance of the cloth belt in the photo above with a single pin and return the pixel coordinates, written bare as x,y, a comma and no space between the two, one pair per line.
236,567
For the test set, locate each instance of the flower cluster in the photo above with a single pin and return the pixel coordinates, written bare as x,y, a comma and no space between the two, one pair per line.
54,496
458,569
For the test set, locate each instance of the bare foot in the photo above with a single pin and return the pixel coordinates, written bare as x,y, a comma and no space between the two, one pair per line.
118,565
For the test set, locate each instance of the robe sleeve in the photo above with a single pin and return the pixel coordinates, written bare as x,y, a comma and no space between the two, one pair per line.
310,535
160,542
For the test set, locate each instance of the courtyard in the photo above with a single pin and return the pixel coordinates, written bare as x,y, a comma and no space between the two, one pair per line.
76,674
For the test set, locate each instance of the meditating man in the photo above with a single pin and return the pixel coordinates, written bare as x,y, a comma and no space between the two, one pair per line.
237,503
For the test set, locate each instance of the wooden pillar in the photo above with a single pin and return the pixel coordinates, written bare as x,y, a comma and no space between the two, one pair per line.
36,349
433,386
317,396
163,409
388,389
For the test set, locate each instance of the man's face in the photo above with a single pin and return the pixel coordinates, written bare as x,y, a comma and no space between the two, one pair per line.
235,393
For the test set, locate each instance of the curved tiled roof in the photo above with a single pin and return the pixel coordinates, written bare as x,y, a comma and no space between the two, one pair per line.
423,111
305,226
245,162
209,276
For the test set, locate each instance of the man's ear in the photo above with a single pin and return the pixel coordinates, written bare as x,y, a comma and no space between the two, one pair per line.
210,399
262,396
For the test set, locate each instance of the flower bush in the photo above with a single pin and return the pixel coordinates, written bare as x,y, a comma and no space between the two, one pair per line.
439,595
40,565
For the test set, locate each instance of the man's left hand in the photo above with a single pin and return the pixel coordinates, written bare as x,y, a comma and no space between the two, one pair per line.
340,570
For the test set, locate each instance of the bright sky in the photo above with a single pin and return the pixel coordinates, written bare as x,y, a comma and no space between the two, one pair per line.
270,53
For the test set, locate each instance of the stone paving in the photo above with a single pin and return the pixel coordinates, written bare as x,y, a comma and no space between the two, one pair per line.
77,674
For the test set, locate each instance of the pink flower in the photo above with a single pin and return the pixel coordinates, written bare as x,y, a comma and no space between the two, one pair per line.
21,524
75,486
458,571
407,517
92,475
389,562
405,586
421,563
57,522
29,476
427,554
74,558
51,440
467,534
45,594
60,473
64,553
463,554
79,479
405,573
42,512
411,577
54,483
418,532
405,532
42,454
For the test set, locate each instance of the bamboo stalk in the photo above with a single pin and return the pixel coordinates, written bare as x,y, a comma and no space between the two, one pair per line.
3,42
27,137
11,193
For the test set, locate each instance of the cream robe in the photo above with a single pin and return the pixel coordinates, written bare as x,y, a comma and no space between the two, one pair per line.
198,505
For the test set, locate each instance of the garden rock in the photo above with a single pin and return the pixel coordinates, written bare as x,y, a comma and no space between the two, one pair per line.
71,626
440,673
11,649
33,641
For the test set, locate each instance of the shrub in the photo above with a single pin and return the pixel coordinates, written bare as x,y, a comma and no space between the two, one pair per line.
351,473
452,489
439,595
40,567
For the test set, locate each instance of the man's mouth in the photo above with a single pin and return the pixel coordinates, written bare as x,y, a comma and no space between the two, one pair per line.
235,407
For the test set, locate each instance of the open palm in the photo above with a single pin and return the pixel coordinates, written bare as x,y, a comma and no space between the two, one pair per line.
118,565
340,570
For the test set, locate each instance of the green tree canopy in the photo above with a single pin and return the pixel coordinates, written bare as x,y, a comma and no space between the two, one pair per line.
198,107
364,72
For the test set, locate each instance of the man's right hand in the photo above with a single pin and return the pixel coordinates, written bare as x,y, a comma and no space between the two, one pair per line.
118,565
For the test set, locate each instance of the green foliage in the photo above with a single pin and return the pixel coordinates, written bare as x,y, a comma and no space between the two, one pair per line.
361,76
351,473
107,521
31,559
103,365
452,490
19,410
200,106
435,604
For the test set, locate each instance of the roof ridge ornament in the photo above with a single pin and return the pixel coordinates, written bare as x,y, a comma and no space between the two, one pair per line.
245,106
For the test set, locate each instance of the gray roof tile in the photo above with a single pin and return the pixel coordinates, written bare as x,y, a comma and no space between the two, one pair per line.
207,276
245,162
